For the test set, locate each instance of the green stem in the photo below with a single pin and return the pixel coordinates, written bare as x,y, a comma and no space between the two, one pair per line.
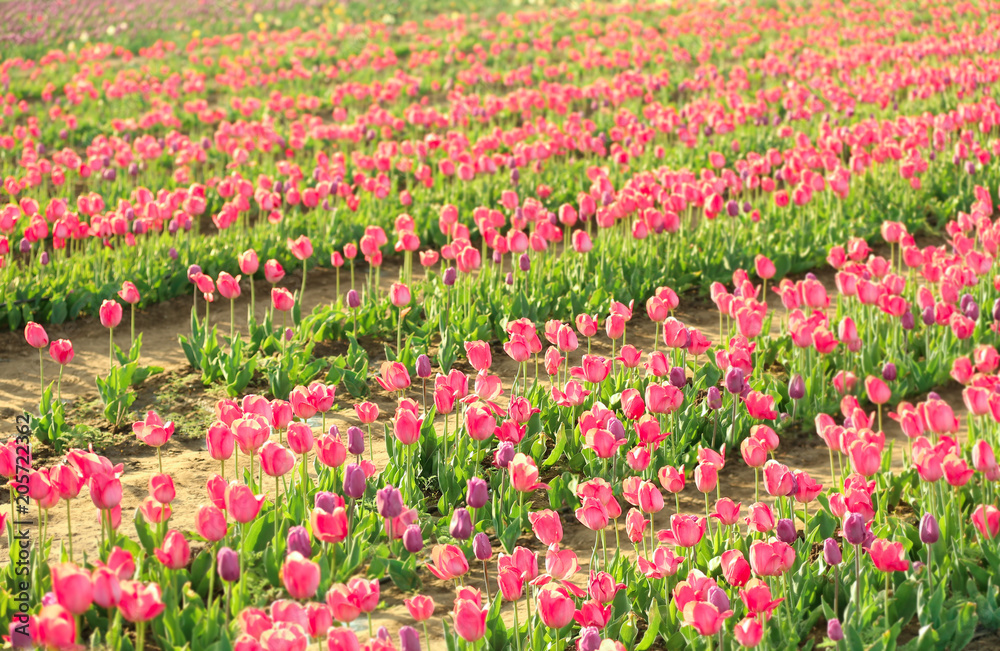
69,529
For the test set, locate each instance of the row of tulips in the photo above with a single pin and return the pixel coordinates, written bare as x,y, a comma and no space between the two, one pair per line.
137,226
732,576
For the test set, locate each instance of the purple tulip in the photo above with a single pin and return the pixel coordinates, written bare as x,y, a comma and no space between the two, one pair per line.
298,541
413,539
389,502
461,524
477,493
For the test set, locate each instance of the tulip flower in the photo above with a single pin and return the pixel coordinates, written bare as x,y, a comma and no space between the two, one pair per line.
154,432
300,576
36,337
139,604
54,628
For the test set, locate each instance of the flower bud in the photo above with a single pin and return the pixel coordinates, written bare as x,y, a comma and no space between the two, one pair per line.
831,552
298,541
796,387
413,539
389,502
409,639
616,428
353,300
423,367
354,481
450,276
229,565
889,372
717,597
481,547
461,524
854,528
524,262
504,454
510,278
477,493
714,398
785,530
677,377
355,440
325,501
590,639
907,321
834,631
734,379
929,530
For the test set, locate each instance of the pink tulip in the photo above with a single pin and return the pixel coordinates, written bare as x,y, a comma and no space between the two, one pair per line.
547,527
220,441
140,603
54,628
524,473
469,619
888,556
595,369
229,287
685,530
61,351
330,527
106,586
704,617
399,295
735,568
555,607
282,299
129,293
300,576
771,559
241,503
986,519
248,262
420,607
105,491
275,459
447,562
35,335
663,564
72,587
153,431
672,479
175,552
727,511
301,247
110,313
393,376
878,391
749,631
760,518
210,523
479,354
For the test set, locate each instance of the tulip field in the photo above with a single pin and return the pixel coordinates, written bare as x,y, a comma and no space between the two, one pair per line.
517,325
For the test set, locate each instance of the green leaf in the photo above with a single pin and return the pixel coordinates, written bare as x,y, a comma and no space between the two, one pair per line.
145,533
652,630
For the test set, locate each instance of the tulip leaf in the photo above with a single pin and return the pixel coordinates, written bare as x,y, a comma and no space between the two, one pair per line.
510,534
145,533
557,450
652,629
260,534
200,570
